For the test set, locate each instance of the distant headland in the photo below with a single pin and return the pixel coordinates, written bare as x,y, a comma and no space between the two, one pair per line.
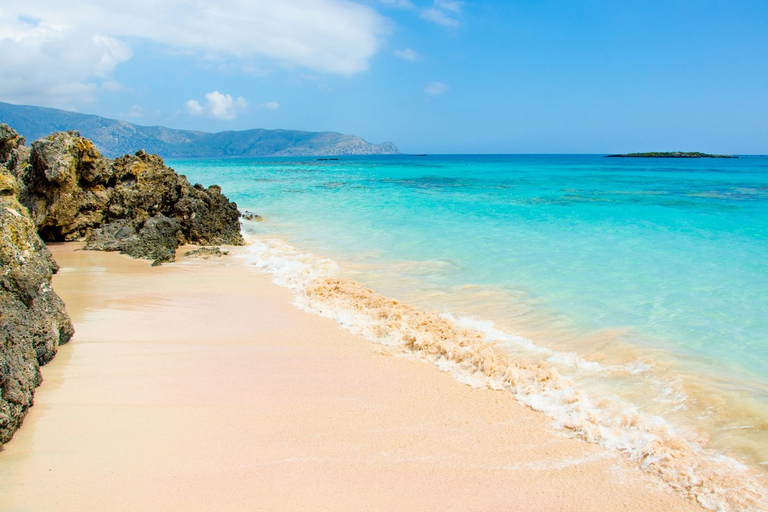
670,154
114,138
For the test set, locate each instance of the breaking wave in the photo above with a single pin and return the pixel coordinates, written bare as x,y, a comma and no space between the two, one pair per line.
479,354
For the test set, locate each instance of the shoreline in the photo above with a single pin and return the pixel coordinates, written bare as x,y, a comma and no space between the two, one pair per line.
198,384
479,355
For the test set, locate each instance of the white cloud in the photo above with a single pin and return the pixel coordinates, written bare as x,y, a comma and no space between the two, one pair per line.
270,105
449,5
54,53
435,88
57,64
218,106
136,112
407,54
194,107
111,85
443,12
398,4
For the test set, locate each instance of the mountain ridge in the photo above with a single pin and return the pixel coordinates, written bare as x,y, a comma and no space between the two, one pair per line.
115,137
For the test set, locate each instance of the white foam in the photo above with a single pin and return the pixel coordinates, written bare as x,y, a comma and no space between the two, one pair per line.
289,267
479,354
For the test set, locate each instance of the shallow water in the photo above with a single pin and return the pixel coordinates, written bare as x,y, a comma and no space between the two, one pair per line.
641,282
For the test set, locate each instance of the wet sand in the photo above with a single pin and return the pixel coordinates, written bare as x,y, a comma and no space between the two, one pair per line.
199,386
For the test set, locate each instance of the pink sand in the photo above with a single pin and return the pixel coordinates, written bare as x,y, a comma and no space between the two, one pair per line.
199,386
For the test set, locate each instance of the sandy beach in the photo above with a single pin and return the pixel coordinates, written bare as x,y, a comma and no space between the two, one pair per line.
197,385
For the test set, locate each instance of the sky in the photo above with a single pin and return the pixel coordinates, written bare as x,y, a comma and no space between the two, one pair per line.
431,76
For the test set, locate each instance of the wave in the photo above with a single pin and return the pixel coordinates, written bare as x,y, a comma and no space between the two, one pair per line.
479,354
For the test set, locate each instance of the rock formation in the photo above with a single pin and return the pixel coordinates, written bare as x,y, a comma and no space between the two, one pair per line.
62,189
133,204
33,322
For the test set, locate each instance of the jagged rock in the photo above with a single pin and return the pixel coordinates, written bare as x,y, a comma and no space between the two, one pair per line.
156,239
14,155
33,321
62,190
9,141
63,186
252,216
206,252
134,204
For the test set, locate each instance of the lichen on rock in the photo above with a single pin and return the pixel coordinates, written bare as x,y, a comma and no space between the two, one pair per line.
134,204
62,189
33,321
206,253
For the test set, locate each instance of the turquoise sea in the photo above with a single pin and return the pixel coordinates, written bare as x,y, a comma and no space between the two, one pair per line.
642,283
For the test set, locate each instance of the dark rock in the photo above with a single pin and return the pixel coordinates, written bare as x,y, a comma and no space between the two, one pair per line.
33,321
156,240
62,190
252,216
133,204
206,252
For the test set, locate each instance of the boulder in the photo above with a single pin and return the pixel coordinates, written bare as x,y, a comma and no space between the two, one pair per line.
33,321
134,204
247,215
156,239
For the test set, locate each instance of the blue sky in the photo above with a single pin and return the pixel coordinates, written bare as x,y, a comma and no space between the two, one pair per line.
436,76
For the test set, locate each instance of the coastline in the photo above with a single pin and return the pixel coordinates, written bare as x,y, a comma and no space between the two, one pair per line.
198,385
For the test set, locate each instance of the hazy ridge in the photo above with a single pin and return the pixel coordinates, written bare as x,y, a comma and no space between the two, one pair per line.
115,138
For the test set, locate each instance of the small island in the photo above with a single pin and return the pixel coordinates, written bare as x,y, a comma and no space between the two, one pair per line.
670,154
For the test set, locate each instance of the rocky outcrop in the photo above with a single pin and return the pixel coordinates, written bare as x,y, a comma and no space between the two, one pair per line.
33,321
133,204
62,189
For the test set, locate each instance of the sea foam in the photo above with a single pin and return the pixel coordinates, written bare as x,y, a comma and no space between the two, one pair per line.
479,354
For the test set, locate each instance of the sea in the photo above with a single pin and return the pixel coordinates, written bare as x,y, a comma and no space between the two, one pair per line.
625,298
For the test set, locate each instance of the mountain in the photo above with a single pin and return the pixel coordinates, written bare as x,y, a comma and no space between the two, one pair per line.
115,138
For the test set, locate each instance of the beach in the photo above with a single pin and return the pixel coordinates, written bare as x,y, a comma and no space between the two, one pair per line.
198,385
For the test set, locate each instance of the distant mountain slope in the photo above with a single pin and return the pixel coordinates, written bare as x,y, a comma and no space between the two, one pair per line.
116,138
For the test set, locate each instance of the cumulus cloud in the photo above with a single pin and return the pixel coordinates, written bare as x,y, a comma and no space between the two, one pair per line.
270,105
218,106
59,63
443,12
435,88
50,50
194,107
407,54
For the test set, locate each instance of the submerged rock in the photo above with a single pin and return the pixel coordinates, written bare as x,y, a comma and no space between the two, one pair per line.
33,321
252,216
134,204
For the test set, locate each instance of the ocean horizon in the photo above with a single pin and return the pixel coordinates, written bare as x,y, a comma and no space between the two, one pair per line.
636,288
